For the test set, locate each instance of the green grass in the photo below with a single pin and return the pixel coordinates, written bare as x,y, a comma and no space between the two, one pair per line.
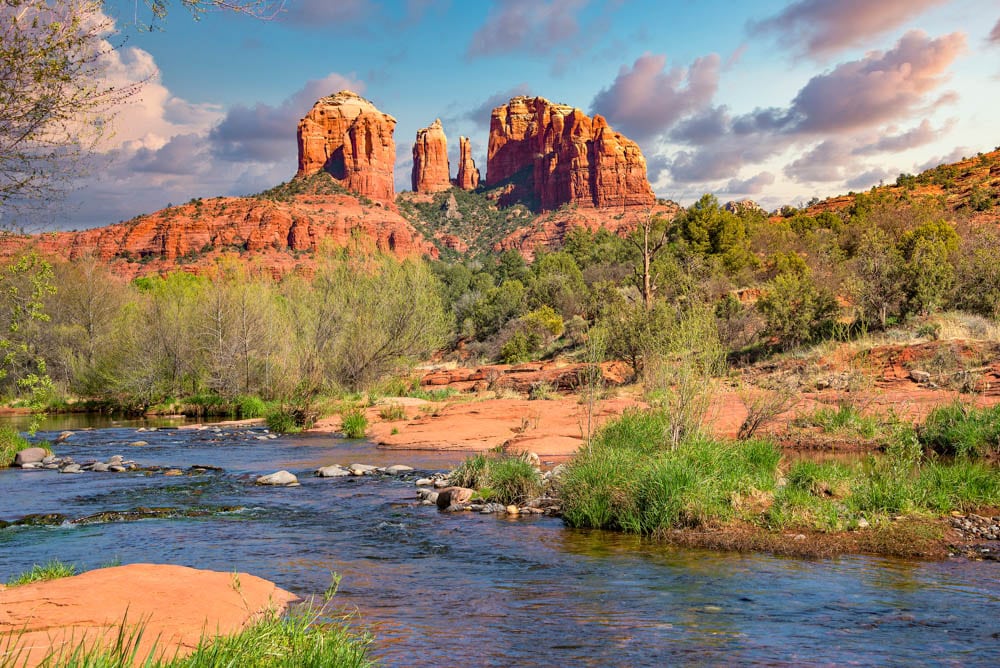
304,638
500,478
962,431
282,420
624,481
51,570
354,423
392,412
845,418
249,406
11,442
628,479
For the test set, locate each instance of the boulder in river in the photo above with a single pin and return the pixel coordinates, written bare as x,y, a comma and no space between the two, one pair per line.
71,468
63,436
362,469
332,471
397,469
30,456
282,478
453,496
138,444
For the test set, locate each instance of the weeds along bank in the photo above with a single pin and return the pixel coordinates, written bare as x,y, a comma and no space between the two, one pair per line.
630,478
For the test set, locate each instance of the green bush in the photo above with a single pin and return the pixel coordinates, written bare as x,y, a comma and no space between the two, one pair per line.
392,412
11,442
354,423
962,431
512,480
627,480
281,420
506,479
51,570
844,418
250,406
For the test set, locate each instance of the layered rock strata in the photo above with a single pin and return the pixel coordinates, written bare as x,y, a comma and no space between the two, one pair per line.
431,171
347,136
468,173
557,155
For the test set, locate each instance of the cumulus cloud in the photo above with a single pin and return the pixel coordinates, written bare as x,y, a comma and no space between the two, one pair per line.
537,26
954,156
820,28
647,99
872,177
846,107
752,186
878,87
480,115
265,133
995,34
894,143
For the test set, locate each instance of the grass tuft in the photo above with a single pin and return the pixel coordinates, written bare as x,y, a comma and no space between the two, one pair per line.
354,423
51,570
11,442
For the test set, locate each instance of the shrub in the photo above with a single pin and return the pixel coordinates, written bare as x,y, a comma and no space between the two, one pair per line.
281,420
512,480
354,423
51,570
11,442
250,406
506,479
963,431
845,418
392,412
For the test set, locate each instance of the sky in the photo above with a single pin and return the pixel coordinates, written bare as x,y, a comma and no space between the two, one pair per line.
775,101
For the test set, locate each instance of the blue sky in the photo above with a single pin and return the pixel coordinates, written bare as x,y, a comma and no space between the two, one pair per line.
777,101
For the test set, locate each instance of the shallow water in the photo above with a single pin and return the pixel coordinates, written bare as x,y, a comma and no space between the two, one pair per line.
477,590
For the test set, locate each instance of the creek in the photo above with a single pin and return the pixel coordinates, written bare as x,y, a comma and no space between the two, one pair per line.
464,589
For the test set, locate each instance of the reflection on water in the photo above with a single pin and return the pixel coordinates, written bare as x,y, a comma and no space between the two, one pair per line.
476,590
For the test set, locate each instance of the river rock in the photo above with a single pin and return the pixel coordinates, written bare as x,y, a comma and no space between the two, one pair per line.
492,508
30,456
512,510
424,482
173,472
63,436
333,471
116,468
362,469
100,467
453,496
282,478
397,469
116,459
71,468
138,444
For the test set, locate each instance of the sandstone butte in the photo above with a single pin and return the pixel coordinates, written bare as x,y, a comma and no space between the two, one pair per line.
278,237
175,605
431,171
348,137
571,158
468,174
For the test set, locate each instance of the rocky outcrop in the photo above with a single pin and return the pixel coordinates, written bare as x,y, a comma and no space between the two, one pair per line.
468,174
554,154
431,171
277,236
174,606
347,136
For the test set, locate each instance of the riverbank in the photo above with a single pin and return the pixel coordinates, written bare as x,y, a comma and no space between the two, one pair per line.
176,608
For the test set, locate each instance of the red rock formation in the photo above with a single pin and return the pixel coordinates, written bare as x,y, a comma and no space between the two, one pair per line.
567,156
348,137
468,174
277,237
431,171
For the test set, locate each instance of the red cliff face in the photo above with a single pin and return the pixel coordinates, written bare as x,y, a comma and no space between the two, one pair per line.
348,137
431,171
276,237
559,155
468,174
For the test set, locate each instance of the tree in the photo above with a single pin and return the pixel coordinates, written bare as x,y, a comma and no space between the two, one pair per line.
878,272
54,103
24,285
795,309
650,237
